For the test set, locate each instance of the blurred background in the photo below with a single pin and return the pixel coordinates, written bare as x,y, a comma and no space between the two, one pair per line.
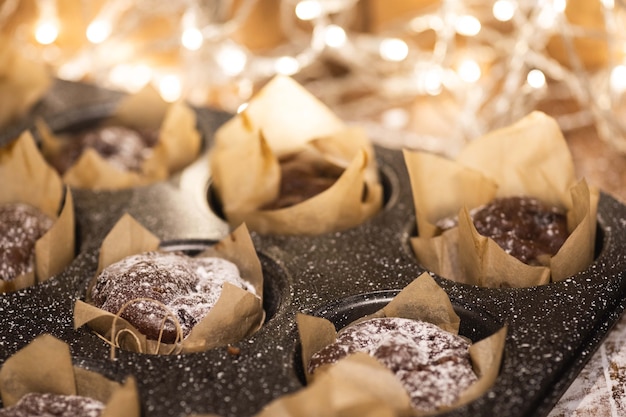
429,74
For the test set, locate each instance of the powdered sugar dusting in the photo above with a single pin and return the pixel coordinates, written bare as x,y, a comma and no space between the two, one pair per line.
187,287
20,227
54,405
433,365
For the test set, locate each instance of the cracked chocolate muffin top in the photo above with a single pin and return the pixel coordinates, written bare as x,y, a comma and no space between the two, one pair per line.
164,294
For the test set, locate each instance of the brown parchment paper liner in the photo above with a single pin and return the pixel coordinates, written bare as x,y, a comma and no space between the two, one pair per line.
285,119
422,300
178,145
359,385
527,158
237,313
27,178
22,82
45,366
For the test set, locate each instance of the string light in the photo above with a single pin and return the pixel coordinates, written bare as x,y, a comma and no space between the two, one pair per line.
560,5
609,4
98,31
618,79
192,39
536,79
393,49
101,26
335,36
503,10
46,33
467,26
433,79
469,71
132,77
493,73
287,65
395,118
170,88
47,28
231,59
308,10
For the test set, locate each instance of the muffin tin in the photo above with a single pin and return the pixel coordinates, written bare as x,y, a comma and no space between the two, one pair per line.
552,330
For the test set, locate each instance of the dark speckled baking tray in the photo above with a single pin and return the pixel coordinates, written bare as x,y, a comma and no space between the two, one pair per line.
553,330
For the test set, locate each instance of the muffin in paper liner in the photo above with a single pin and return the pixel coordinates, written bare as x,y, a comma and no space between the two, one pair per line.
28,179
283,122
359,385
237,314
179,143
22,82
45,366
529,158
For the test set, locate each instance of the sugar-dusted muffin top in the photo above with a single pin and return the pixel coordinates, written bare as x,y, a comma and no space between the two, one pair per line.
53,405
123,147
21,225
149,285
433,365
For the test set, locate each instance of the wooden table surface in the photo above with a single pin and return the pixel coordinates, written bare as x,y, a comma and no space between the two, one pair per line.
598,162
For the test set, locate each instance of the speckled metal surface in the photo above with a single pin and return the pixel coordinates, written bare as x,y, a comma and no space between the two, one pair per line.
553,330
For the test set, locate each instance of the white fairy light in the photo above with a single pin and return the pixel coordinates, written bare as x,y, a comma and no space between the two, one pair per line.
392,49
308,10
119,74
395,118
330,7
231,59
47,28
433,81
618,79
287,65
609,4
547,18
467,25
170,88
559,5
489,87
98,31
536,79
47,32
101,27
469,71
335,36
130,77
192,39
73,71
503,10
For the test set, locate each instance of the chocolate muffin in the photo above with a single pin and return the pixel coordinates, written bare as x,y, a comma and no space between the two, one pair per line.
301,181
523,227
48,405
20,227
433,365
156,291
122,147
